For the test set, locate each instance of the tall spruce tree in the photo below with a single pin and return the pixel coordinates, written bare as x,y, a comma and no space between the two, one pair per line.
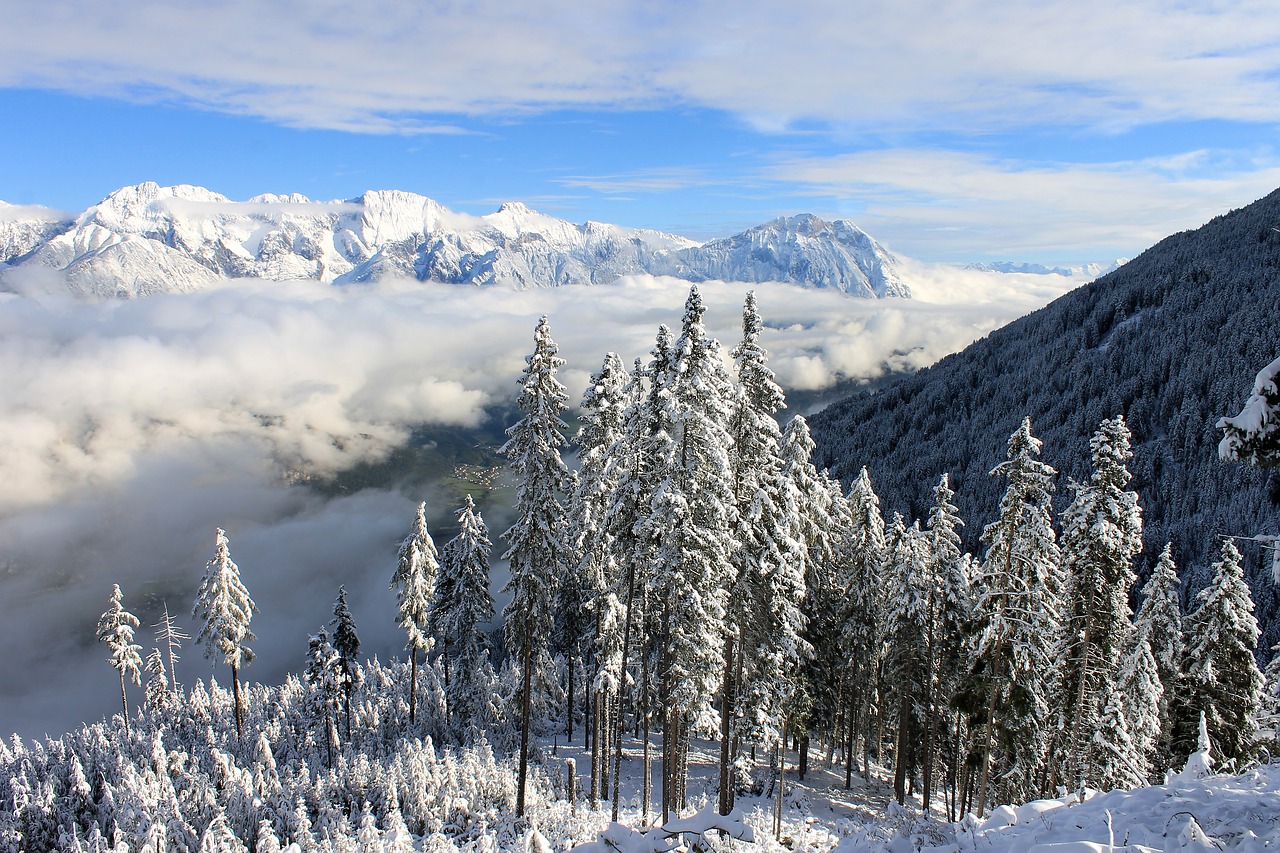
1102,533
1220,676
1141,696
323,674
864,627
224,606
414,582
115,628
537,551
462,604
346,642
603,413
635,466
948,614
759,531
692,514
1016,614
1159,619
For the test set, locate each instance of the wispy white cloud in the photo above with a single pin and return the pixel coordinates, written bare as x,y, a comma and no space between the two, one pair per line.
963,204
911,65
642,180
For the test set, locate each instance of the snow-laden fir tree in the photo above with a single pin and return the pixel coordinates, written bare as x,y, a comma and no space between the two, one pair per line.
1220,676
573,631
602,415
634,466
323,674
948,614
537,540
346,642
1159,619
115,628
1015,611
909,618
1102,533
799,545
224,608
462,605
1117,761
864,628
1141,698
414,582
760,532
692,514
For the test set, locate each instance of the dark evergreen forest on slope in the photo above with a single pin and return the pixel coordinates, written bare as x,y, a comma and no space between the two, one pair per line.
1172,340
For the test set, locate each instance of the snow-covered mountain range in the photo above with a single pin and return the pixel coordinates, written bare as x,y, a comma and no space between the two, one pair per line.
1085,272
149,239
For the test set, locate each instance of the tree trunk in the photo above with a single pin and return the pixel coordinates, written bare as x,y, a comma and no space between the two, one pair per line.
901,757
781,752
525,705
728,702
626,648
569,723
124,705
989,737
413,685
803,752
235,690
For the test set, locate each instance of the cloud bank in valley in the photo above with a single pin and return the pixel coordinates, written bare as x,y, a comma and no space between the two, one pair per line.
132,429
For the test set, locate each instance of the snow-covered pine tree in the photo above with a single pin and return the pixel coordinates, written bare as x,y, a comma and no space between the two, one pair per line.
537,551
1141,697
1102,533
762,537
224,607
414,582
634,466
944,632
824,608
1015,611
115,628
573,631
692,514
1220,674
323,674
602,414
864,629
909,620
1117,762
463,603
346,642
1159,619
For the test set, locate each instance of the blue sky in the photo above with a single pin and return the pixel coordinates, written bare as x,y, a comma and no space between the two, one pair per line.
1049,131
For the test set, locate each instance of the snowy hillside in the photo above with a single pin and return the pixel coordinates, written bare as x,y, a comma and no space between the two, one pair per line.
149,239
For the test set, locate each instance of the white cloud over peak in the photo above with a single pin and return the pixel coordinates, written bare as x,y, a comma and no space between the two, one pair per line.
961,204
912,65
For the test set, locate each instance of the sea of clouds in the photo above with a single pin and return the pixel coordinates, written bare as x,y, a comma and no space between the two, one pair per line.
129,430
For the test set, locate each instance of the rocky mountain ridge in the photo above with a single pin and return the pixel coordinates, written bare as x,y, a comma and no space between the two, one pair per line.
148,239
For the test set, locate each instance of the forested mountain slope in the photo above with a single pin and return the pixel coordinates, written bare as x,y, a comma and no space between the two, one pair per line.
1172,340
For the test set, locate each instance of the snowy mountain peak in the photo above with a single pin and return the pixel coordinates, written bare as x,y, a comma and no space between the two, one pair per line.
149,238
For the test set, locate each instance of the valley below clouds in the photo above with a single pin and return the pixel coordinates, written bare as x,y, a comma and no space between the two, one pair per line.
131,429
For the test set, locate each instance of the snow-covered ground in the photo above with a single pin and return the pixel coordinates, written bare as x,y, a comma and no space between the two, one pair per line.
1213,813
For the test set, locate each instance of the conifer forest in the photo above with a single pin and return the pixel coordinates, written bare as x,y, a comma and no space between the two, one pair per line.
695,584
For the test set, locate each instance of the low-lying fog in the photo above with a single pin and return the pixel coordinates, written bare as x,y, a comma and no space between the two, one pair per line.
130,430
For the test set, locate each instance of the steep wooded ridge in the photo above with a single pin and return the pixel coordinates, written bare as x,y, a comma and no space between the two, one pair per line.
1172,340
